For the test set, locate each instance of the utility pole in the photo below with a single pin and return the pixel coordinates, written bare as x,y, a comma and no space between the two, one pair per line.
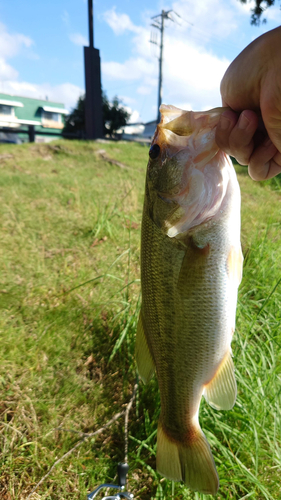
93,99
159,24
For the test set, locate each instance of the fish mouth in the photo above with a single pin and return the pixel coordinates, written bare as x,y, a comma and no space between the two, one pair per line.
197,171
184,123
181,131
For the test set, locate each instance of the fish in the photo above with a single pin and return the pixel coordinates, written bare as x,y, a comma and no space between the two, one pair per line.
191,267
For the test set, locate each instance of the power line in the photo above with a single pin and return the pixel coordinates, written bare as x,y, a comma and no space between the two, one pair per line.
201,33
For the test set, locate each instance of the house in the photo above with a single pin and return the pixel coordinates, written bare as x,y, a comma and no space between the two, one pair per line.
142,132
43,119
131,131
149,129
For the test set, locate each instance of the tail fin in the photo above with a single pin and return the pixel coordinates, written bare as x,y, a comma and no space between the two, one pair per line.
192,463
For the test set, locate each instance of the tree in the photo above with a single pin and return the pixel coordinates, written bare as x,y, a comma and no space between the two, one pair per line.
258,10
114,117
75,121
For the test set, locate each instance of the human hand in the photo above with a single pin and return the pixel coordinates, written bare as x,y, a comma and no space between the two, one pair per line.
251,87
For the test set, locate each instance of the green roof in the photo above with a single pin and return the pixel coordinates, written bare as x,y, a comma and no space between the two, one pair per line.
31,109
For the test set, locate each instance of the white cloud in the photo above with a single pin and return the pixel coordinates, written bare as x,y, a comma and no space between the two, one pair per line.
78,39
11,44
127,100
119,23
134,115
130,70
208,17
144,90
244,8
6,71
14,44
20,88
191,72
195,49
65,93
65,18
272,14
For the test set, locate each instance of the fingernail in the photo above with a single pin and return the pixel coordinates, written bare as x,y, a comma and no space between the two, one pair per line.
224,122
243,122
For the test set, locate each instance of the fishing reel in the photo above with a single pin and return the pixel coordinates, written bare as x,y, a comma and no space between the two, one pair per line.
122,471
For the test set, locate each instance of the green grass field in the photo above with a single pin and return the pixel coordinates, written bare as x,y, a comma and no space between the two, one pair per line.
70,296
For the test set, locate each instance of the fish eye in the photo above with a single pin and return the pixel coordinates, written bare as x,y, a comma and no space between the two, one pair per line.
154,151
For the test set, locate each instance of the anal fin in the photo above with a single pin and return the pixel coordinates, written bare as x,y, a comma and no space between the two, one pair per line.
221,392
144,359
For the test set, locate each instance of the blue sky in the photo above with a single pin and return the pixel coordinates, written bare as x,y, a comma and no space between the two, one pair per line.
41,49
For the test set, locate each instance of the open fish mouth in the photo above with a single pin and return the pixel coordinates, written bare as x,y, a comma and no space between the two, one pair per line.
186,169
189,132
184,123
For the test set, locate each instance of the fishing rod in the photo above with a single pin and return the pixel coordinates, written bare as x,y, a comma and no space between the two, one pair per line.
122,467
122,471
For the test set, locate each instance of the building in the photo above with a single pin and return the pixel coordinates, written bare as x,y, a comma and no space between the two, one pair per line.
149,129
131,131
141,132
43,119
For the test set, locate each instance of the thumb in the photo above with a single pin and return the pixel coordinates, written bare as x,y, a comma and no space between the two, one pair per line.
270,104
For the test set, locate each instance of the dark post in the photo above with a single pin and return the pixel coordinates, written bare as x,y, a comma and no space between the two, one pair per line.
93,100
91,23
31,133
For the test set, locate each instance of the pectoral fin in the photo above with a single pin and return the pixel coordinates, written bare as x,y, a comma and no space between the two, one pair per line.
144,359
221,392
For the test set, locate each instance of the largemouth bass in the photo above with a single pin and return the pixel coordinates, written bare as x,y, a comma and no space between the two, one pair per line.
191,267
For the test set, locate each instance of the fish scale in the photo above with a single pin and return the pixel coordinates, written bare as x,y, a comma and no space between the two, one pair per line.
191,267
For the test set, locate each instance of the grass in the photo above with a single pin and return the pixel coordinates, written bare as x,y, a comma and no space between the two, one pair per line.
69,298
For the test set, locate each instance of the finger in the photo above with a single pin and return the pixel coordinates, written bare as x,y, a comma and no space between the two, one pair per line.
236,138
224,128
241,139
265,162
